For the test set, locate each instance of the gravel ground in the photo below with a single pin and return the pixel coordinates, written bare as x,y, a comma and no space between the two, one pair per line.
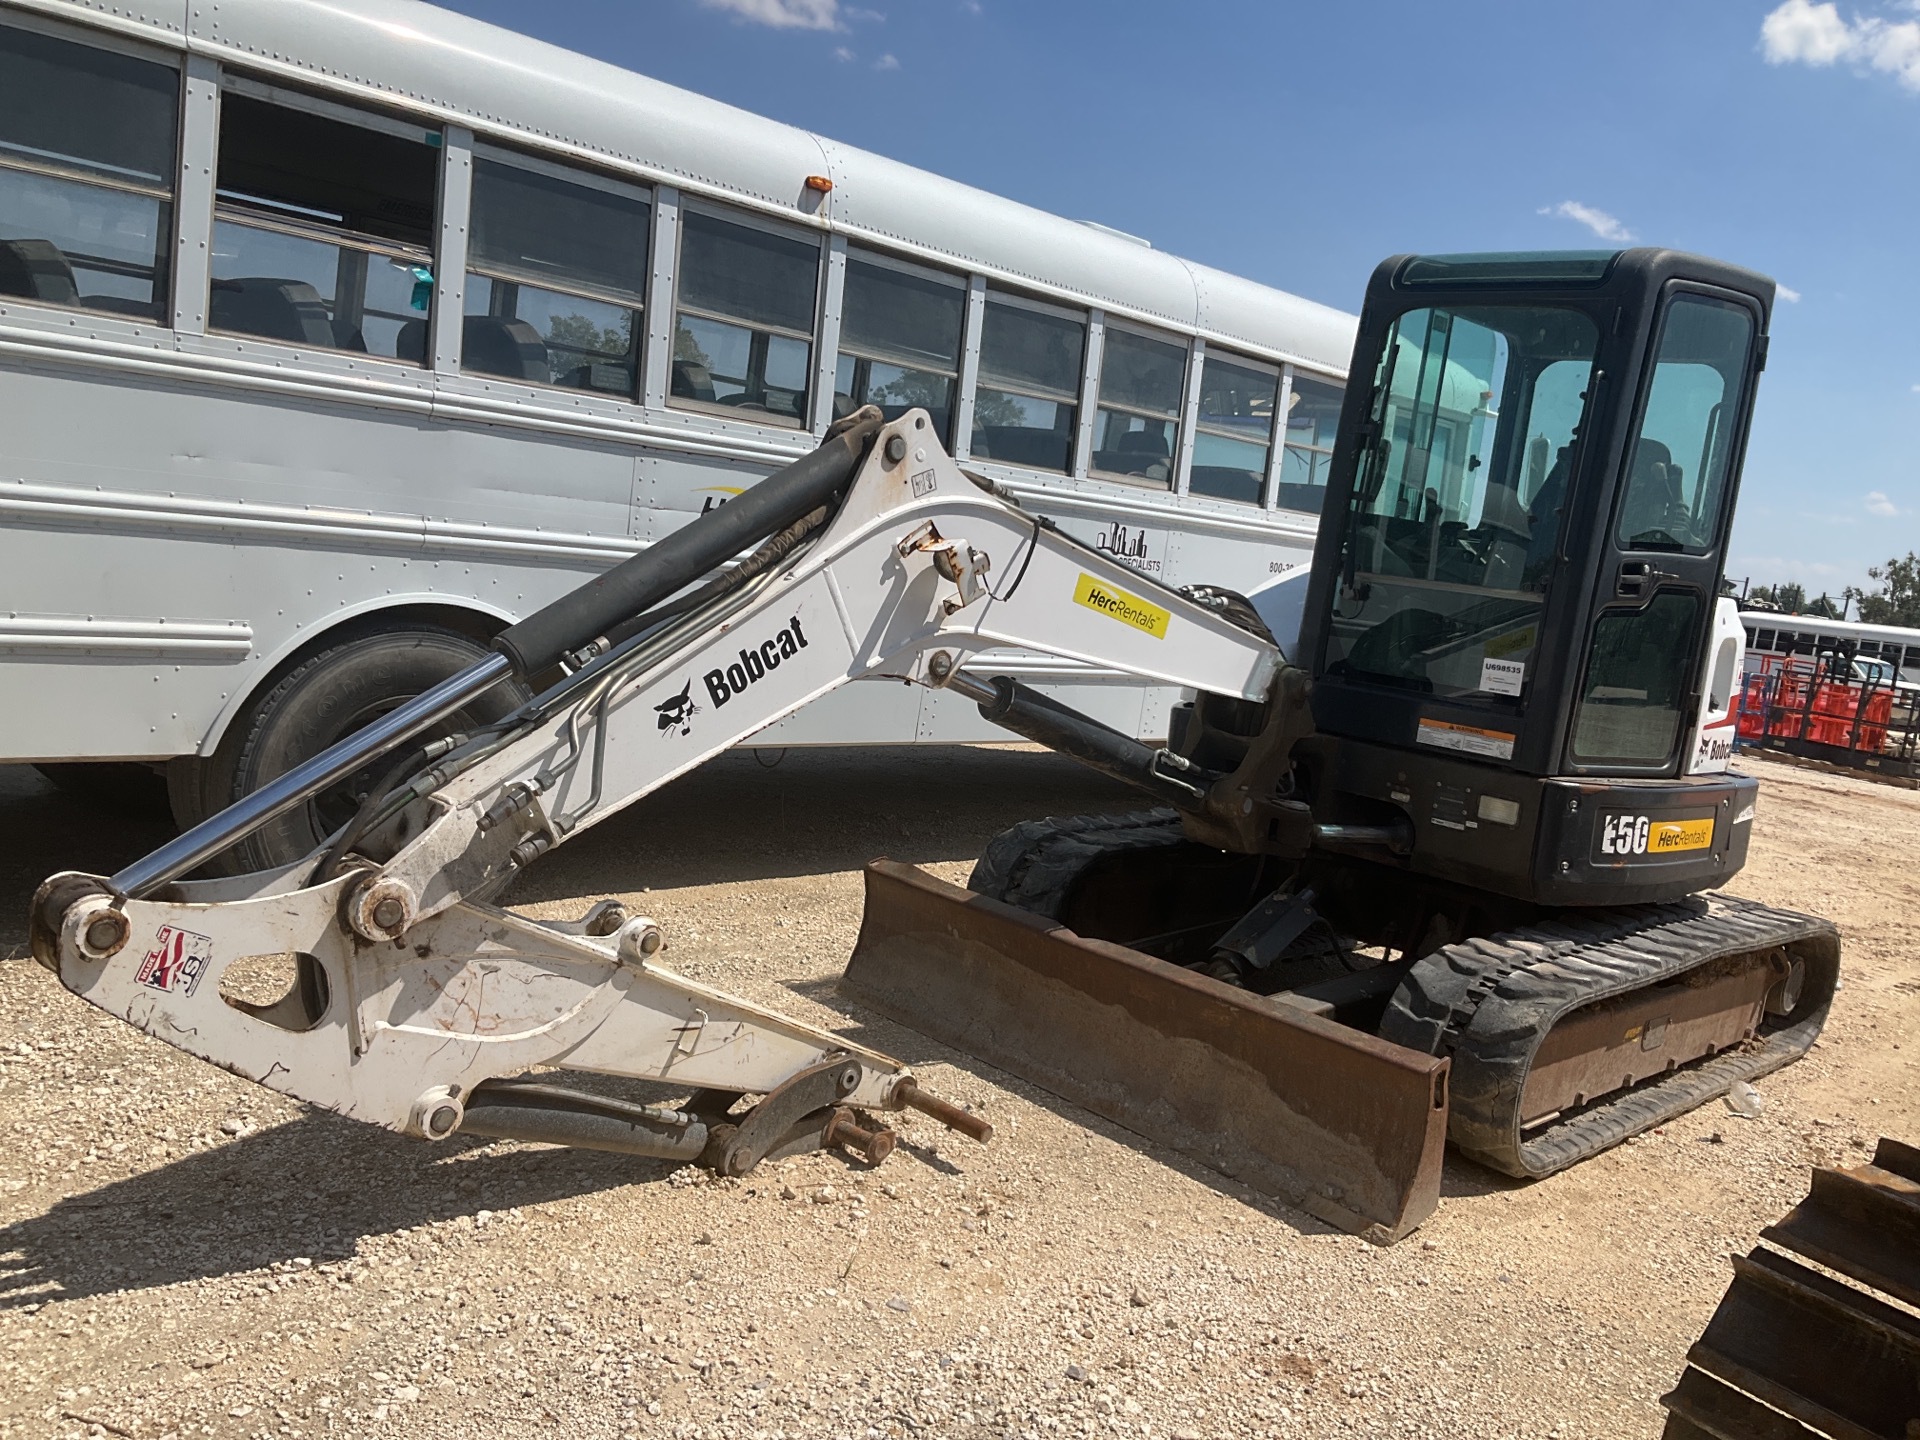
183,1254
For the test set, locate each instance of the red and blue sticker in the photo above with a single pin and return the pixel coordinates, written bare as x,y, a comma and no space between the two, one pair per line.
177,961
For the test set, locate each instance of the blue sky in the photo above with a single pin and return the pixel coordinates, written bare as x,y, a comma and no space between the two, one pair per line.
1298,144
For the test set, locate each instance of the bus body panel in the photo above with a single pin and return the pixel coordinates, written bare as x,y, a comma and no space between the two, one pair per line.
184,514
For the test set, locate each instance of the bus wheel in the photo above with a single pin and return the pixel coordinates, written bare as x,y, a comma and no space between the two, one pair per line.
325,698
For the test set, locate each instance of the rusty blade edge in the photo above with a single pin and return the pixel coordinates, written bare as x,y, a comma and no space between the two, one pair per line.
1346,1125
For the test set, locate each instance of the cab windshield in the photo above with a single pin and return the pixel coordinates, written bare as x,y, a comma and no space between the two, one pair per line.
1475,414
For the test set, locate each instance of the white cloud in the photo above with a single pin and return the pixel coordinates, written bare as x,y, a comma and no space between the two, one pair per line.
1879,504
1916,389
972,7
842,54
1786,293
1801,32
783,14
1598,221
887,62
854,12
1811,34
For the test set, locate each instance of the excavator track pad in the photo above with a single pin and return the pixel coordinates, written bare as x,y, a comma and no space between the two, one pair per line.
1797,1352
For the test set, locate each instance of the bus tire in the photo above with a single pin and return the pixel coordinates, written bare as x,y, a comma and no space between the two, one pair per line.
324,698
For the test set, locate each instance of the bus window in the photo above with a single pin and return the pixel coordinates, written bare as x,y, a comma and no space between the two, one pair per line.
1136,430
1313,415
899,342
743,338
556,273
323,230
1233,433
1025,407
86,175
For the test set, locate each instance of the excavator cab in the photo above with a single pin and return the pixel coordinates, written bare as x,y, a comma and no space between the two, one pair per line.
1513,598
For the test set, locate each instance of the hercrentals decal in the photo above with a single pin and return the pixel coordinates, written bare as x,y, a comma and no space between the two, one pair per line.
755,664
1127,608
1643,835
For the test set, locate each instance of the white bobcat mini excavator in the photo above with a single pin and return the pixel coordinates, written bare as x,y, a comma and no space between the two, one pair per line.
1434,844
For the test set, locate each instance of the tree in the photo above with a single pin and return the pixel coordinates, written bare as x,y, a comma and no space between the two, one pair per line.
578,333
1789,597
1897,600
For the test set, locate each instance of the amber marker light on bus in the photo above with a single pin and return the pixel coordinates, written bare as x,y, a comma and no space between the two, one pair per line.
820,183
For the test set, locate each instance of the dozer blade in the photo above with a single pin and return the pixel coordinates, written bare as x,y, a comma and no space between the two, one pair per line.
1342,1124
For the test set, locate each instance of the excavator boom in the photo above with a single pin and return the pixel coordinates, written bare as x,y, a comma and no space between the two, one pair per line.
414,1004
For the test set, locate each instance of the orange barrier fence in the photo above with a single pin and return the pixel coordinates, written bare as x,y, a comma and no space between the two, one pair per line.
1797,699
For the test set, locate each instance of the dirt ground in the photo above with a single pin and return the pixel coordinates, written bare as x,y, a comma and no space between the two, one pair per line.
183,1254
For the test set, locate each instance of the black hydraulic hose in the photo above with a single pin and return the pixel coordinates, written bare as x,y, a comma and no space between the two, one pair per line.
671,564
414,757
726,582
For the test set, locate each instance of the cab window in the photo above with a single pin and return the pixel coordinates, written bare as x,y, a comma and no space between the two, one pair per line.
1677,467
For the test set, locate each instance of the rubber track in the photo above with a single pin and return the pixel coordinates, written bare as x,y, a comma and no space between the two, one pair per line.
1489,1002
1034,864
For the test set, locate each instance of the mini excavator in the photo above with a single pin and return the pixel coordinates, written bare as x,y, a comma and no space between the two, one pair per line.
1435,848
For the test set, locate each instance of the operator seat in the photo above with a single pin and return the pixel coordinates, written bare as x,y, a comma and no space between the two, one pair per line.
1653,505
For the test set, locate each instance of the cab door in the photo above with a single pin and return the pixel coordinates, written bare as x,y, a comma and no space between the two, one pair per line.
1665,545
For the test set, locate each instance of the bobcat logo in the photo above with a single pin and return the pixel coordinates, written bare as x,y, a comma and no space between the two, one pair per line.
678,712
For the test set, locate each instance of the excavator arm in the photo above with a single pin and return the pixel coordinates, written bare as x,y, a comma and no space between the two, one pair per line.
414,1004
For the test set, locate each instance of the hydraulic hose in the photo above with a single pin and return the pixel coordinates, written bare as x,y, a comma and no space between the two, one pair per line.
669,565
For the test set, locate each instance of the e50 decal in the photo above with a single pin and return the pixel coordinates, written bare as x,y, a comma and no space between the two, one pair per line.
1634,835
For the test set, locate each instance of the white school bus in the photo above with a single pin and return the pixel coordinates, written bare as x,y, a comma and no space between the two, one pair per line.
336,336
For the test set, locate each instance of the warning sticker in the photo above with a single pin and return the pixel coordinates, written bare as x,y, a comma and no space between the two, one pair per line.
1502,677
1127,609
1466,739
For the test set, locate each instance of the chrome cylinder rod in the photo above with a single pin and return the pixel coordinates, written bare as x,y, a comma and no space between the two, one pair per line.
329,767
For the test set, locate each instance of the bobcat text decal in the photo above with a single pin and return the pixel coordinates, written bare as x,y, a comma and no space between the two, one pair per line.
756,663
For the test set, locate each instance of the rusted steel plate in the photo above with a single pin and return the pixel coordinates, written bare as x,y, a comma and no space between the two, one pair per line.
1863,1222
1343,1124
1843,1363
1703,1408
